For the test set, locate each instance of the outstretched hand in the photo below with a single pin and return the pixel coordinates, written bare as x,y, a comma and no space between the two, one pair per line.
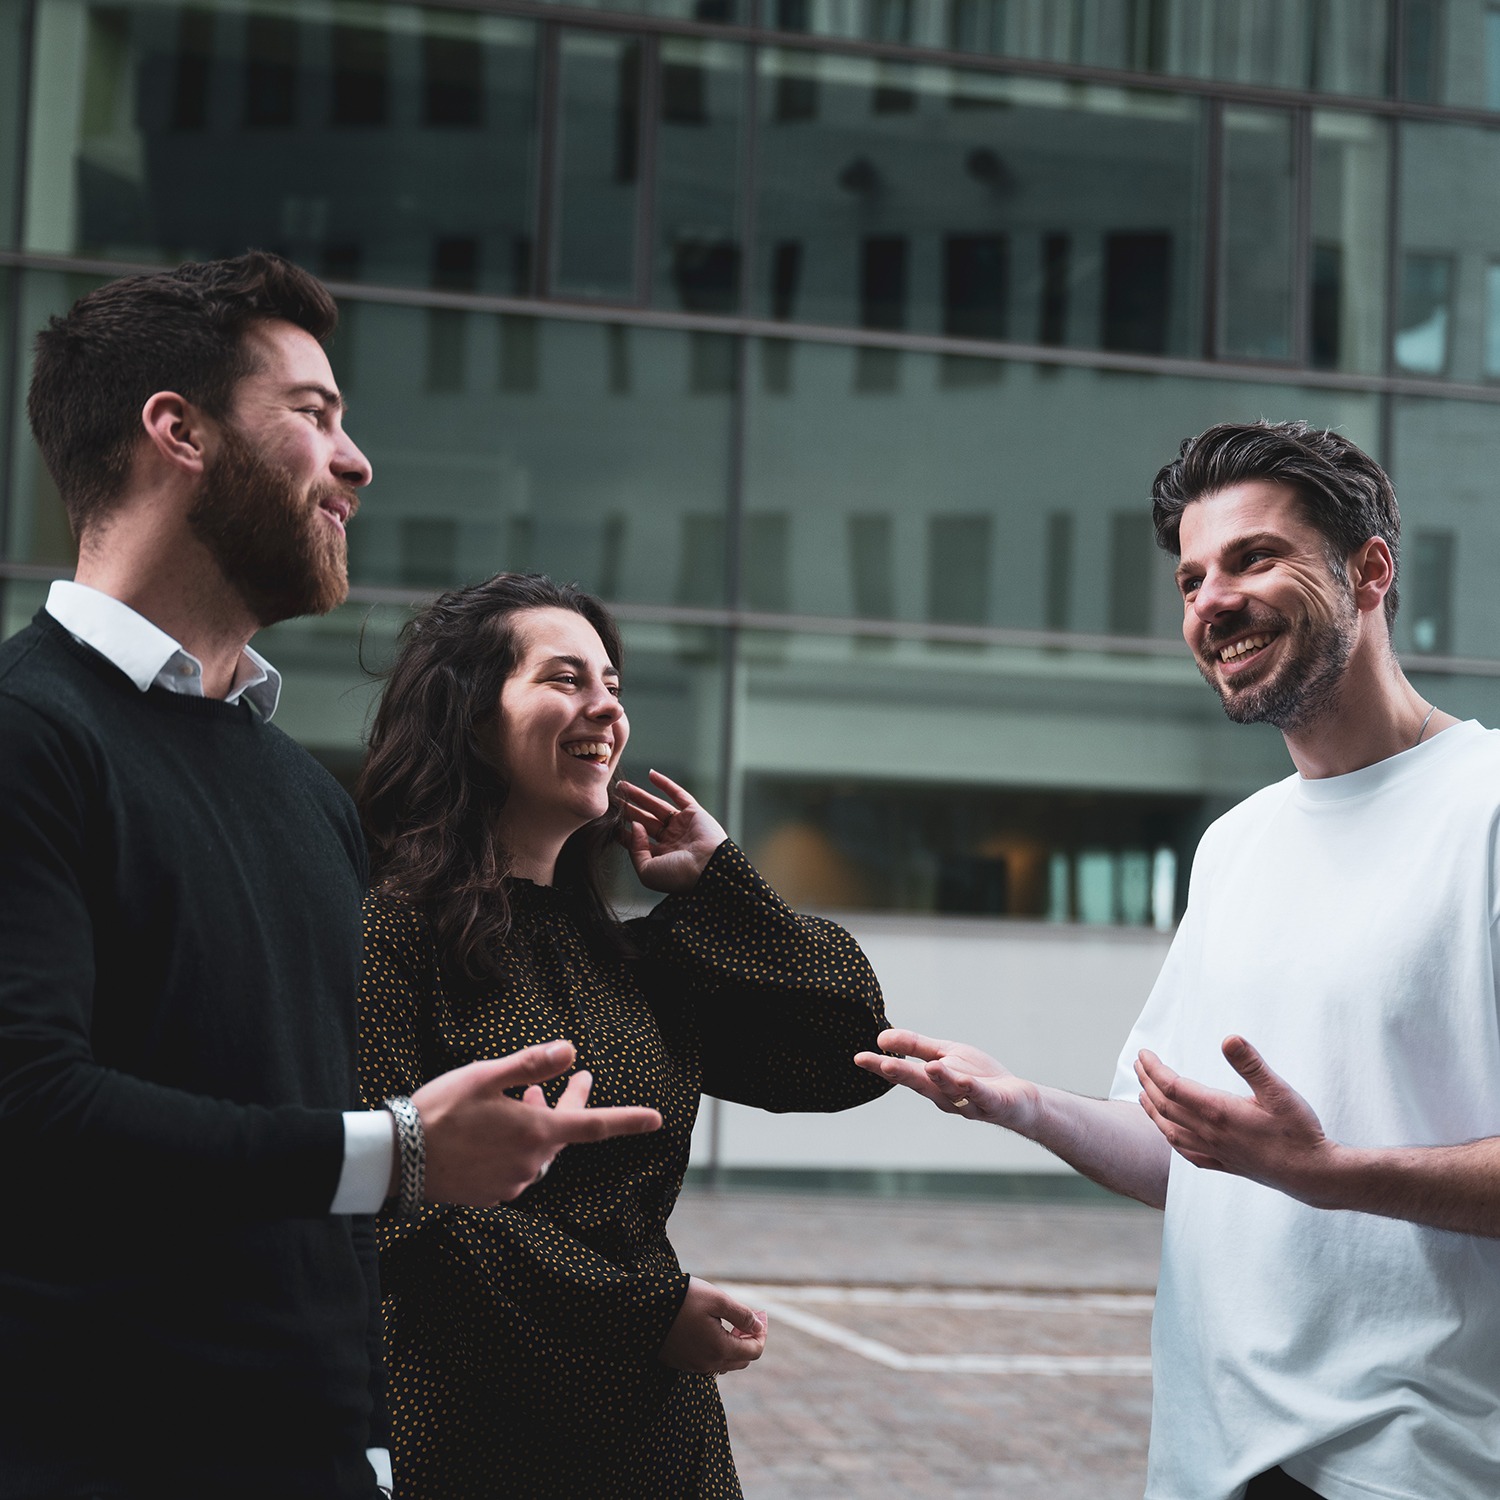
959,1079
1273,1137
698,1341
670,842
484,1147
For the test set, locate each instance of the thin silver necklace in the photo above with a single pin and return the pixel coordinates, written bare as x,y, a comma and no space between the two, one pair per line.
1423,729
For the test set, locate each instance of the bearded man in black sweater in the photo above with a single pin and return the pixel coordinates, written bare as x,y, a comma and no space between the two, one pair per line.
188,1297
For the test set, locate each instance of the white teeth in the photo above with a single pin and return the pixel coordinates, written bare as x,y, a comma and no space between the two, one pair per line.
589,750
1250,643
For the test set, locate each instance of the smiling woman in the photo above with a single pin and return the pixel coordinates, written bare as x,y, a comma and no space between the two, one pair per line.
553,1343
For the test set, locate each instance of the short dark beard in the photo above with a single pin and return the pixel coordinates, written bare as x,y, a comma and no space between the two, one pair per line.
267,537
1306,687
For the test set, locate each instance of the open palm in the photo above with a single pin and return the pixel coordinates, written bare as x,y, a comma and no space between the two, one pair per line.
670,842
958,1078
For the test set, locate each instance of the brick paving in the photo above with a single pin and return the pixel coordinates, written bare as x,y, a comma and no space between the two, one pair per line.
814,1421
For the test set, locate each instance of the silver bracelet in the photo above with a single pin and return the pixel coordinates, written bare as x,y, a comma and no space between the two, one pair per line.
413,1148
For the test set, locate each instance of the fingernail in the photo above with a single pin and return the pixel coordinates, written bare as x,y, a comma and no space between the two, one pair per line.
557,1051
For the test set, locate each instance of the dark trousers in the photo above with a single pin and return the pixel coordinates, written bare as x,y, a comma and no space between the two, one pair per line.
1277,1484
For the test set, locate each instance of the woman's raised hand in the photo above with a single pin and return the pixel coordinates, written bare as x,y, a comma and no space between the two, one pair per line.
669,842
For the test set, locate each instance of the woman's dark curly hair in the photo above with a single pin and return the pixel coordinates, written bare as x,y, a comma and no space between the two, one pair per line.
430,792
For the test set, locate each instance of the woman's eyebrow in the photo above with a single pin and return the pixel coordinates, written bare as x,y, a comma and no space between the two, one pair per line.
578,663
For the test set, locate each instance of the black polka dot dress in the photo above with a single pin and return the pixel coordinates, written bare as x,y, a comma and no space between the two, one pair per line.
522,1339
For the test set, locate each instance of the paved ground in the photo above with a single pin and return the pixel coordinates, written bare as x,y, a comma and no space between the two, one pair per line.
926,1349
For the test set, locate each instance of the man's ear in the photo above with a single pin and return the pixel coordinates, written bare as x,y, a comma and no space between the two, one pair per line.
1372,571
176,430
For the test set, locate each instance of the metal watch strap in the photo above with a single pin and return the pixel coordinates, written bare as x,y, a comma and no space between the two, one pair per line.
413,1148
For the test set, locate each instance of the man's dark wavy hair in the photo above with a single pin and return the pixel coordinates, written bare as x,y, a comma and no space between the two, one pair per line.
1343,492
431,792
179,331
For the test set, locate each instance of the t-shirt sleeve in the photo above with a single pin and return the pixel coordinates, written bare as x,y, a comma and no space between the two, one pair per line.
1157,1027
69,1125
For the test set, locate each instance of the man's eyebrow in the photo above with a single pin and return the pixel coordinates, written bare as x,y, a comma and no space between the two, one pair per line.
333,398
1239,544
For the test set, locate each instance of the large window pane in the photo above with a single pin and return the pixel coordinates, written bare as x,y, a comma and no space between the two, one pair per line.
38,529
979,206
12,63
579,450
599,168
1450,237
1259,216
1333,46
698,175
721,12
999,493
1444,468
1347,274
385,144
1451,52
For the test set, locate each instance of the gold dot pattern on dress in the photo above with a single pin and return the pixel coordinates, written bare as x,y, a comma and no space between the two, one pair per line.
522,1339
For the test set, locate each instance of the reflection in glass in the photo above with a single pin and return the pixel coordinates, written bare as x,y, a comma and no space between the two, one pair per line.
1350,188
539,461
37,524
1260,207
1428,591
1444,472
984,207
599,136
698,174
1422,330
1450,234
1331,46
1452,53
1012,502
352,143
719,12
1492,320
1422,50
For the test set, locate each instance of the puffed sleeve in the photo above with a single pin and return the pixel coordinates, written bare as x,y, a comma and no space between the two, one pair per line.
782,1001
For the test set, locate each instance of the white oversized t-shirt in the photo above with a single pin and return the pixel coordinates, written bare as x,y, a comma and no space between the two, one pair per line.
1347,928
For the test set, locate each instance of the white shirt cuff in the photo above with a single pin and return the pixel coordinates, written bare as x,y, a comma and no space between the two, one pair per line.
369,1149
380,1461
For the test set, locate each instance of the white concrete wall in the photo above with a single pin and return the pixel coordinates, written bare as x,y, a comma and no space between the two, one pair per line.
1052,1003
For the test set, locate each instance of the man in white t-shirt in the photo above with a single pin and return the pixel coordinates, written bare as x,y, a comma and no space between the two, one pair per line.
1328,1318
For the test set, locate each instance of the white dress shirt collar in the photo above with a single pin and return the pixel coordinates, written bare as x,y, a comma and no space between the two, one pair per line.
147,655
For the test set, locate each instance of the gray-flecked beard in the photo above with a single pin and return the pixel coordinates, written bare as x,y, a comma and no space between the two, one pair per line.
1306,686
267,538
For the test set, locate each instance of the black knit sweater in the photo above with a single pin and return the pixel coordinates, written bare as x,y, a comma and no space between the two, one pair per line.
179,955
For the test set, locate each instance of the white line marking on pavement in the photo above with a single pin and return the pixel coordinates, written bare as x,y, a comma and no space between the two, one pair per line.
778,1305
880,1296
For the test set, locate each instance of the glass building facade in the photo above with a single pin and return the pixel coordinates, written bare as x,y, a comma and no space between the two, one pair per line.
836,343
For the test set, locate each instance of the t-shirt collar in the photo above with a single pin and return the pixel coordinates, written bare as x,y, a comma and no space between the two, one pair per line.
1385,773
